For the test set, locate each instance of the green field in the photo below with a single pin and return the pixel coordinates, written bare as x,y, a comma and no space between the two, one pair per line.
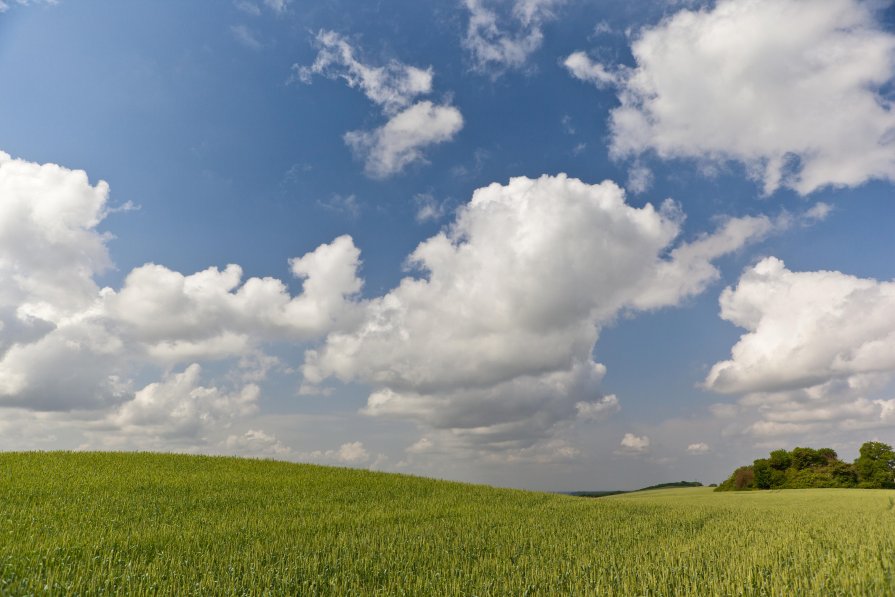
95,523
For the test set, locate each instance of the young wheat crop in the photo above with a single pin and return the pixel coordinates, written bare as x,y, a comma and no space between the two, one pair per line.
138,524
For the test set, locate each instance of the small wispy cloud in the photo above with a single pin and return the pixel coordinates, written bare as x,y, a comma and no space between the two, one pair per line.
245,37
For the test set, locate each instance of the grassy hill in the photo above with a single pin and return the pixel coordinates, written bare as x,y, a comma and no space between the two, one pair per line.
165,524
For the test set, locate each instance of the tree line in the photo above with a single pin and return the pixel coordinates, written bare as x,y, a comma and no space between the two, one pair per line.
806,467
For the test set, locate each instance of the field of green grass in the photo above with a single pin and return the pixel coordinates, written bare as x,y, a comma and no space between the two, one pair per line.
139,524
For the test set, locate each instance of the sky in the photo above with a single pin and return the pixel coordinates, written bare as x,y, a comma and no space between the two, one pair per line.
547,244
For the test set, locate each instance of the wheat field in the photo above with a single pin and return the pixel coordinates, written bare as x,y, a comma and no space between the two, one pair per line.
152,524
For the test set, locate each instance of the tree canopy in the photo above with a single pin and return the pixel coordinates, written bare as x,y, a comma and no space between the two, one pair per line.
807,467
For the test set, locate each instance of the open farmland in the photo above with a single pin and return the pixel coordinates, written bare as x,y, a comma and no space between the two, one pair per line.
160,524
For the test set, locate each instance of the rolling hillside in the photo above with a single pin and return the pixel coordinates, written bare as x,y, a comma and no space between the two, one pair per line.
150,523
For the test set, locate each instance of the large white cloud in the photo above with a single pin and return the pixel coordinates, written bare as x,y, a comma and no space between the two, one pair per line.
67,345
502,34
210,313
50,252
493,338
818,353
49,246
179,407
790,88
804,329
411,127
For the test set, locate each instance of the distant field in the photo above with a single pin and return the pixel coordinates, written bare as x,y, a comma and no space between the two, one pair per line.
159,524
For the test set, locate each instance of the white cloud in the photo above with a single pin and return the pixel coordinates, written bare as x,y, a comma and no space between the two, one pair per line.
49,247
817,353
256,442
393,86
210,314
246,37
790,89
640,179
493,339
178,406
76,365
582,67
429,209
633,444
599,409
50,252
348,453
499,39
67,345
401,141
804,329
698,448
412,125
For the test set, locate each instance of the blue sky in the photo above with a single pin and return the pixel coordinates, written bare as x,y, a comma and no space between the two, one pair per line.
434,277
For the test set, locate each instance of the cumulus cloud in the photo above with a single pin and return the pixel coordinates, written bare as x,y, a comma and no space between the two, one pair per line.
500,38
257,443
817,353
488,341
178,406
50,252
401,141
492,339
582,67
77,365
66,345
633,444
411,127
348,453
211,314
698,448
50,249
804,329
793,90
599,409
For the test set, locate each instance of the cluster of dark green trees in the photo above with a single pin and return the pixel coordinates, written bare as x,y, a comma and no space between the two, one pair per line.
806,467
